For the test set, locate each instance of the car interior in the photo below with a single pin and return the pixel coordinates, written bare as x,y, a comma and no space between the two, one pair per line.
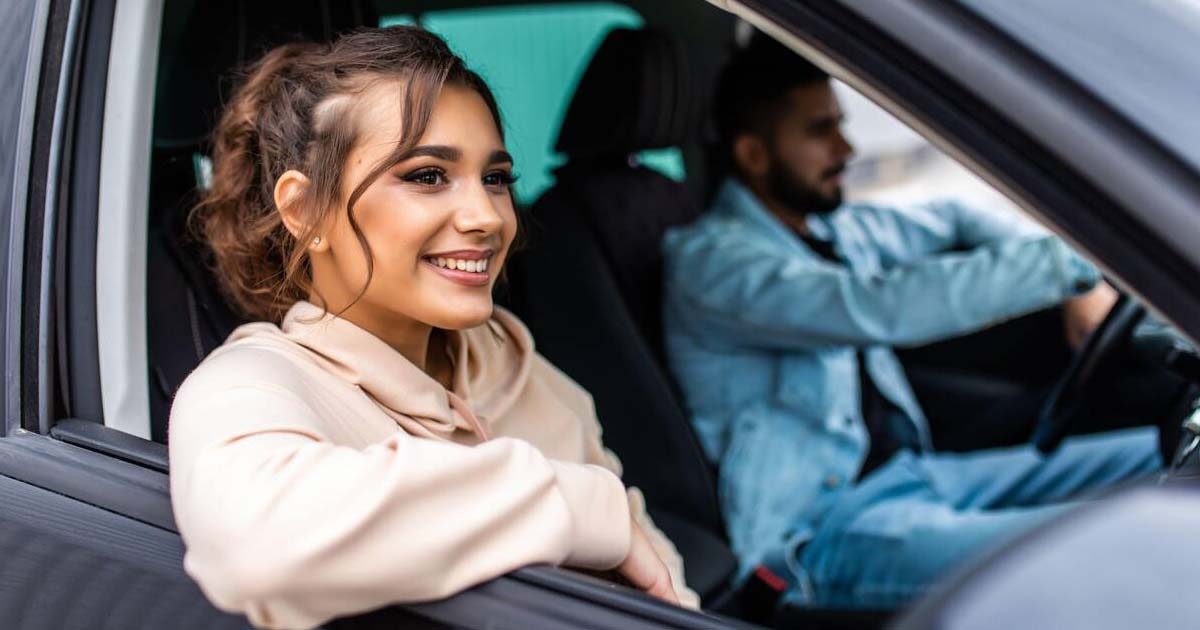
588,279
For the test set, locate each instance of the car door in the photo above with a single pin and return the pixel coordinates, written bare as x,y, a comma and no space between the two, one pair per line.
87,538
85,528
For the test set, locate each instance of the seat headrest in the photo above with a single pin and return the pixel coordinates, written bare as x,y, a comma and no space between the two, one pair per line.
208,41
634,95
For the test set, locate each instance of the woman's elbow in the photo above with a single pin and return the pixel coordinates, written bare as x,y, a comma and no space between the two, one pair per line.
238,572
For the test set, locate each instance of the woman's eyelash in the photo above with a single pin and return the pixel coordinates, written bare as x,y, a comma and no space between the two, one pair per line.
504,178
426,176
437,176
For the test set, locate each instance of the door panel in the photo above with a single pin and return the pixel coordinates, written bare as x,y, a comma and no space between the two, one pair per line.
71,565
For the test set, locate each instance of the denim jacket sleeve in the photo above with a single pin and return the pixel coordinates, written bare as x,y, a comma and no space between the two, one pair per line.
752,293
902,235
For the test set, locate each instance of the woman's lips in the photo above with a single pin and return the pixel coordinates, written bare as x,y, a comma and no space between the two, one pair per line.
467,278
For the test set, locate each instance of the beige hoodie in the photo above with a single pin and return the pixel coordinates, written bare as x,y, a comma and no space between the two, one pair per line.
316,472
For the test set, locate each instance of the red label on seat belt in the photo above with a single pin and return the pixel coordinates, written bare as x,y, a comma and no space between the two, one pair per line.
769,578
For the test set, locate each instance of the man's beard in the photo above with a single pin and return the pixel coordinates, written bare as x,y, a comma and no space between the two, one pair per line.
799,196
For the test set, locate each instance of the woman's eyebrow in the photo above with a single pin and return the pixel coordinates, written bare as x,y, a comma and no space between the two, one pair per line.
449,154
498,157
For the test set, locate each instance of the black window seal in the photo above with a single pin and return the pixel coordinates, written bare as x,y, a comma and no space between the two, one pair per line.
37,341
545,596
29,160
68,333
109,441
77,306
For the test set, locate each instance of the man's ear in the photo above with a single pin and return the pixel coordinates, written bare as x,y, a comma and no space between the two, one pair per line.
289,188
750,155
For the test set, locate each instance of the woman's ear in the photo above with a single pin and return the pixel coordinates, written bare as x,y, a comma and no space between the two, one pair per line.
750,155
289,188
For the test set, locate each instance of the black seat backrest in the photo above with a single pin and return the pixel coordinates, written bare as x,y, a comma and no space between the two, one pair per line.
205,41
589,282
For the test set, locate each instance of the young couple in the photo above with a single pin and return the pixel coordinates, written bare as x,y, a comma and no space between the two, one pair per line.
384,433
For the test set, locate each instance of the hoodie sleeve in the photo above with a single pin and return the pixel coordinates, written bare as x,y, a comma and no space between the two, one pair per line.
292,530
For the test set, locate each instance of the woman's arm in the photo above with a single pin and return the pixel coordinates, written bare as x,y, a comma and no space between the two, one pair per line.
662,546
292,530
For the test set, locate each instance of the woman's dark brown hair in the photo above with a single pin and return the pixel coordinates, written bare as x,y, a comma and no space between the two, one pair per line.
293,110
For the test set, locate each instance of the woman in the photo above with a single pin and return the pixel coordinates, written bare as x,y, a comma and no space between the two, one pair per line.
384,434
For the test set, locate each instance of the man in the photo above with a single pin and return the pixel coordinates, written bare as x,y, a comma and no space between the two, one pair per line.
781,309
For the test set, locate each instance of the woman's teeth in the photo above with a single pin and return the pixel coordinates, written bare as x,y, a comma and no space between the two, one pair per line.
473,266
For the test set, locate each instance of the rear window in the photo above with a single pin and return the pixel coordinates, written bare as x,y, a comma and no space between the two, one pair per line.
532,57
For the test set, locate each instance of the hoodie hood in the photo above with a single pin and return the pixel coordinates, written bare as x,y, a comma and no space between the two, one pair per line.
491,366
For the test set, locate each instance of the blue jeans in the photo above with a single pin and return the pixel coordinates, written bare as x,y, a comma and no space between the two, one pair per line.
890,537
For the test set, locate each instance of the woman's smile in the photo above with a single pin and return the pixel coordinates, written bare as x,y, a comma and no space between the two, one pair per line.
467,267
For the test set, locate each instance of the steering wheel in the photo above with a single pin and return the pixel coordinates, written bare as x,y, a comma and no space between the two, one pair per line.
1062,408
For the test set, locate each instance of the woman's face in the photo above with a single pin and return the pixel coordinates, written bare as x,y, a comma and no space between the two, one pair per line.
439,224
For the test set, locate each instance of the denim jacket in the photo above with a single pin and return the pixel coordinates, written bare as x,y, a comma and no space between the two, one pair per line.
762,333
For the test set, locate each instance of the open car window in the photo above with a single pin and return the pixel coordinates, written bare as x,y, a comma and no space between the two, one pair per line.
532,55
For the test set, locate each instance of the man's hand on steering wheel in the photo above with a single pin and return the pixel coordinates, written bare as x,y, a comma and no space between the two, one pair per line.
1082,314
1065,402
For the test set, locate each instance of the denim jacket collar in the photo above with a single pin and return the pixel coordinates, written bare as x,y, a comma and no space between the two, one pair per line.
735,200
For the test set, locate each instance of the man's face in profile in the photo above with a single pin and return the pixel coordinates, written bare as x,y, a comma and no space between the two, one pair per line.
808,153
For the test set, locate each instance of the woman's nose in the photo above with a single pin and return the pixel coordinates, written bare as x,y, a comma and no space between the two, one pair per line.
478,213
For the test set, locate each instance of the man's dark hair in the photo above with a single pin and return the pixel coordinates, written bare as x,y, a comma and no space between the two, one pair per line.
752,85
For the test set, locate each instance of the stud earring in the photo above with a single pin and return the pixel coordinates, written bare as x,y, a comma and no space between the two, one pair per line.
317,241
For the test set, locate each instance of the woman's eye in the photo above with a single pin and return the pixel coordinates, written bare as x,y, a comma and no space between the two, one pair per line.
499,178
427,177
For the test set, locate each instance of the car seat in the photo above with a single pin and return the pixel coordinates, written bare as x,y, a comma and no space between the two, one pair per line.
187,317
589,282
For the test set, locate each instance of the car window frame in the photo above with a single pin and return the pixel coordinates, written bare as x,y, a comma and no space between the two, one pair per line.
75,279
27,164
61,38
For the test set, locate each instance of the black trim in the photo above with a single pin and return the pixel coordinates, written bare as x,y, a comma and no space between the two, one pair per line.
543,597
617,597
82,351
58,356
1079,165
93,478
43,194
22,40
97,437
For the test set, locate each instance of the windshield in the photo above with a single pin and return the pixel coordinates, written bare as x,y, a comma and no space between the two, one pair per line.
1138,55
